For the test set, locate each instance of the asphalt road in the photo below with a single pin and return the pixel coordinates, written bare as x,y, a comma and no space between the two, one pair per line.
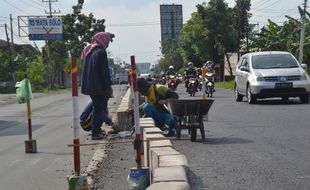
52,129
248,147
263,146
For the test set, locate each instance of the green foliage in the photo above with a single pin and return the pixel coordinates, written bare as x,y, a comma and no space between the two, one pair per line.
4,67
78,29
171,56
194,43
225,85
286,37
218,20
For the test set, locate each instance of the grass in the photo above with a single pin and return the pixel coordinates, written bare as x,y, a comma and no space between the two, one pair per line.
225,85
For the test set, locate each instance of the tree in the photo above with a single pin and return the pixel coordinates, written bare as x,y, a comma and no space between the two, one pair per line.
78,29
241,24
171,56
285,37
60,56
218,20
194,45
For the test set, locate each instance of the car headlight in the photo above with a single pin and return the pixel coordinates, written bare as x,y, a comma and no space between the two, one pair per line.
260,78
304,76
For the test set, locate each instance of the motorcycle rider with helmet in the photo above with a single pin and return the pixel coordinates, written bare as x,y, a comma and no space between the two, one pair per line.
170,72
209,69
191,73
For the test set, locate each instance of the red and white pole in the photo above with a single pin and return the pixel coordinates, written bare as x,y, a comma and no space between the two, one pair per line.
136,110
76,134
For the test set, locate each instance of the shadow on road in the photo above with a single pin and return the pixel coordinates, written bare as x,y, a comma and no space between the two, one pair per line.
277,102
224,140
195,181
11,128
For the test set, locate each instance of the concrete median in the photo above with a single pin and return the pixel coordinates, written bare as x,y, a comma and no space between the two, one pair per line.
168,167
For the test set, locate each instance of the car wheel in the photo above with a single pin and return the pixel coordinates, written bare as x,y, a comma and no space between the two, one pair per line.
251,98
304,99
238,96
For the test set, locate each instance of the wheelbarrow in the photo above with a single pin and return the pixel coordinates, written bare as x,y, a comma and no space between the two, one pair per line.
189,114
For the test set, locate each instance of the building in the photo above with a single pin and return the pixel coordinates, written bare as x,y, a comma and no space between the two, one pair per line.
25,49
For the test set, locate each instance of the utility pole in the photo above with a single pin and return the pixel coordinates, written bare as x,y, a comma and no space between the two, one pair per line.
11,25
9,49
49,66
302,33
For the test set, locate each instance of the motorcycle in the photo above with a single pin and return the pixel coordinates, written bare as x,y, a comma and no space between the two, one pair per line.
162,81
210,84
172,82
192,87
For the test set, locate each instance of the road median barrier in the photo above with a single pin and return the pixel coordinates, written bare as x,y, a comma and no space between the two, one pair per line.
168,167
124,119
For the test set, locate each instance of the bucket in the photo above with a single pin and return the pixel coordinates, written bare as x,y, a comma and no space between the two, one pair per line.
138,179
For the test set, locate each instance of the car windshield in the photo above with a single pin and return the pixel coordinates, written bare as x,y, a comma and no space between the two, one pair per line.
273,61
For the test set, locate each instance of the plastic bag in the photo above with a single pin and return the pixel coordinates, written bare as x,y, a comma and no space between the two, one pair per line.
23,91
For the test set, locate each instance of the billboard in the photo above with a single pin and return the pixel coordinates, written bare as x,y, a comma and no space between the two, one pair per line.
143,68
171,21
44,28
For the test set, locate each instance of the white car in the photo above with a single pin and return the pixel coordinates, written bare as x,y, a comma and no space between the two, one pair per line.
271,74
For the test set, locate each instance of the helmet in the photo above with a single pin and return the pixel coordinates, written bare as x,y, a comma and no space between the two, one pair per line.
171,67
190,64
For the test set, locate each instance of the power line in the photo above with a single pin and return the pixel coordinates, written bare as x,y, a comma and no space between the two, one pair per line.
260,3
268,5
31,5
59,7
133,24
37,3
15,7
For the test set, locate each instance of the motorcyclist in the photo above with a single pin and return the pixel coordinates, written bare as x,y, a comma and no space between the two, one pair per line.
170,71
209,69
190,73
209,66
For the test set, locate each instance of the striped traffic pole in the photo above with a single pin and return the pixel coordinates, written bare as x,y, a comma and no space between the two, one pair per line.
138,177
76,182
76,135
136,110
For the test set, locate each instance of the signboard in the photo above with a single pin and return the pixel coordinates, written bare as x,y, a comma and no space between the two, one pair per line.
143,68
171,21
45,28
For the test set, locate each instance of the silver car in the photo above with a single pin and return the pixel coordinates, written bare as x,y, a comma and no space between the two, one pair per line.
271,74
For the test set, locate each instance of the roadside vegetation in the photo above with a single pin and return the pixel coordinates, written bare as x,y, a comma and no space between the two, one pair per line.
225,85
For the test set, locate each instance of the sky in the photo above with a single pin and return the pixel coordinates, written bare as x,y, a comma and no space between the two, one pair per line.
135,23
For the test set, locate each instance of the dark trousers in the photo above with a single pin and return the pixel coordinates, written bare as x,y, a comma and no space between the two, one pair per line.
100,111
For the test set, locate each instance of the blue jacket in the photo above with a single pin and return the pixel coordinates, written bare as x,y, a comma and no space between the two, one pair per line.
96,76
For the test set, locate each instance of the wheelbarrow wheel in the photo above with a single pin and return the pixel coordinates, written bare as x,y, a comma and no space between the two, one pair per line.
178,126
202,129
193,133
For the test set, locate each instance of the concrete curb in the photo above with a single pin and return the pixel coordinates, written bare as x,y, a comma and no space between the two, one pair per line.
168,167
